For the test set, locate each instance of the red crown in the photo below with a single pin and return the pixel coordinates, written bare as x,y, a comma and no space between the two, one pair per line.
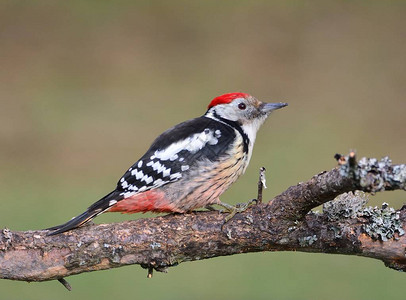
226,98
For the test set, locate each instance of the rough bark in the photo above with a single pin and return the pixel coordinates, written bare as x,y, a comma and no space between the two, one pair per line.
286,223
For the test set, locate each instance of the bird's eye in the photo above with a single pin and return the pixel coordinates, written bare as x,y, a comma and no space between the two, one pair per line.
242,106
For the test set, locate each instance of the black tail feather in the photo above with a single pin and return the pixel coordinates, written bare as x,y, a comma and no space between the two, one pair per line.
93,211
74,223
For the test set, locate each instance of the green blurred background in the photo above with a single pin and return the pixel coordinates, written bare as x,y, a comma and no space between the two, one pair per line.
85,86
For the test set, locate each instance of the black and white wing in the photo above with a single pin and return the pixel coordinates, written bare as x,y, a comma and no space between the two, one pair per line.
175,151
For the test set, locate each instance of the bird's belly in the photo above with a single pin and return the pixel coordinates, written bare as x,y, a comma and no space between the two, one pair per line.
205,187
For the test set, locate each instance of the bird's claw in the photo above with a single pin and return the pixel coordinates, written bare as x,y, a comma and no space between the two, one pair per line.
238,208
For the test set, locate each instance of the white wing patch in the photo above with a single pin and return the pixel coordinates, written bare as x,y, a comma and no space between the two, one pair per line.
138,174
166,172
156,166
192,144
175,176
147,179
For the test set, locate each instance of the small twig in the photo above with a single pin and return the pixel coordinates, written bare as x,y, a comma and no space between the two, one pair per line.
352,160
150,272
261,183
65,283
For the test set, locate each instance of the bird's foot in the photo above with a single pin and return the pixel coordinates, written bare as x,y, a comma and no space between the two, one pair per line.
210,208
238,208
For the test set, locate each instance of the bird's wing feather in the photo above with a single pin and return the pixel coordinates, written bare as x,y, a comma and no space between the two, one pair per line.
175,151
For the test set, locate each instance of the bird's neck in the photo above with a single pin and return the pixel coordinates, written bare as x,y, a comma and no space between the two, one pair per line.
247,133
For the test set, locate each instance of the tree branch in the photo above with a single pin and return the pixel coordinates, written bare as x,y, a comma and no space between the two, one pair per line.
285,223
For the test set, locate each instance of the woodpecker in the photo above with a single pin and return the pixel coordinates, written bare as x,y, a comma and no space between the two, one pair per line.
190,165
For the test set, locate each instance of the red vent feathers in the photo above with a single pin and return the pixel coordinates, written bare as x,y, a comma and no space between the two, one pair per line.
226,98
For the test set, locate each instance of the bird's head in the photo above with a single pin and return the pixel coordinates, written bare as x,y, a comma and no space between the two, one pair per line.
242,108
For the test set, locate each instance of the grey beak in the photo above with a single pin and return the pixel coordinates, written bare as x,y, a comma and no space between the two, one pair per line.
268,107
